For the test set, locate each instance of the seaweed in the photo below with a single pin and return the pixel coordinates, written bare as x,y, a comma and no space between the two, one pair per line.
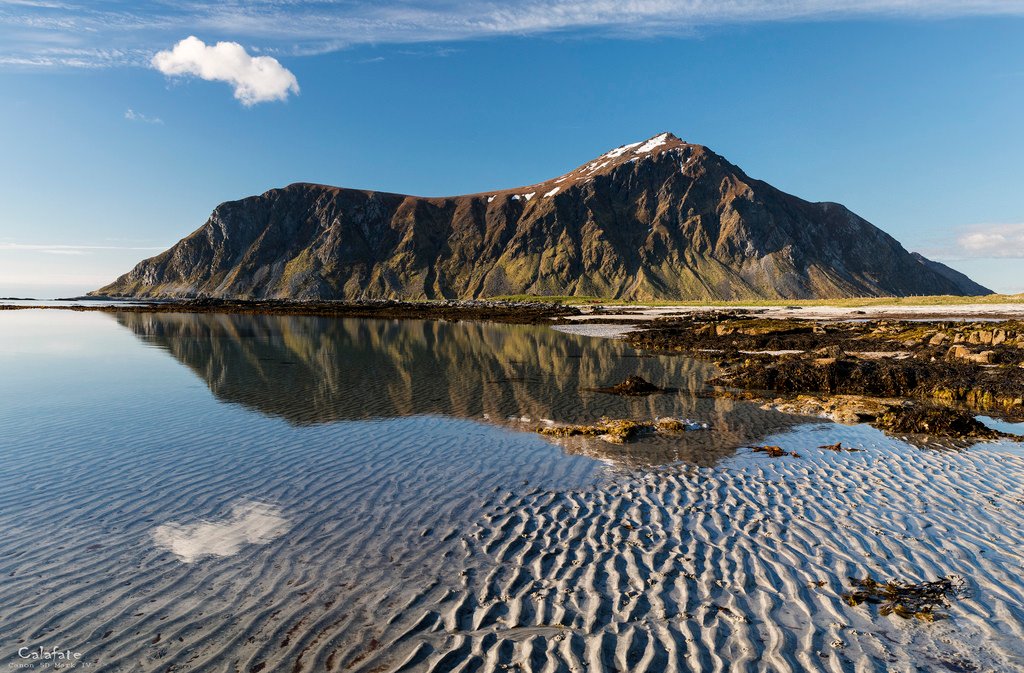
932,420
775,451
923,600
978,365
617,431
621,431
838,447
676,425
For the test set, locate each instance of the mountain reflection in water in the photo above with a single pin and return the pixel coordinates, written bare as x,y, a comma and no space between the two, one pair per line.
310,370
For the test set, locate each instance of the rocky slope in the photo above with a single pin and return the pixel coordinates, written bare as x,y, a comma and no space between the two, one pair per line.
661,219
969,287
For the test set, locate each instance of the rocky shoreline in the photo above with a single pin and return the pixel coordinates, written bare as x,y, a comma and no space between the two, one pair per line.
910,377
512,312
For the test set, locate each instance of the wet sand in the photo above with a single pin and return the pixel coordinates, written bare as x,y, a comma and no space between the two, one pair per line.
744,566
641,314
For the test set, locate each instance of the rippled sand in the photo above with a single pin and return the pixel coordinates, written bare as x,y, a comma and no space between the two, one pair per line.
742,566
242,514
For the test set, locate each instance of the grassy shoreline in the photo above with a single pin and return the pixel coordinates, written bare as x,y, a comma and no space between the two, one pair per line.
849,302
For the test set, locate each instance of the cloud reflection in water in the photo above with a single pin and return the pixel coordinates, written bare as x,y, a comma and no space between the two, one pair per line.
249,523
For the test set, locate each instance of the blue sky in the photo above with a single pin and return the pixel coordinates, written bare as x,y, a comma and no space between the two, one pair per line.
909,113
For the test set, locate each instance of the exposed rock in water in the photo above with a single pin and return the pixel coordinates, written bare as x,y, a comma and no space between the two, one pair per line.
617,431
620,431
633,385
922,419
847,409
963,353
883,359
951,383
895,416
860,372
677,425
663,219
887,378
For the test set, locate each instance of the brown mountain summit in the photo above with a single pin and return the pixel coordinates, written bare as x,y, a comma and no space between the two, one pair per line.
659,219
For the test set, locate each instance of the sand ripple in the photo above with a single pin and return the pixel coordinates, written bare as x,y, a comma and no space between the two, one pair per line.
742,567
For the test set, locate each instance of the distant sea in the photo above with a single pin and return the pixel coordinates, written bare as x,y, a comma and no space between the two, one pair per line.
34,291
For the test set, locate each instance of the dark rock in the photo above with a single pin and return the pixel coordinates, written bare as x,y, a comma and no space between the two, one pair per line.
921,419
855,358
633,385
832,351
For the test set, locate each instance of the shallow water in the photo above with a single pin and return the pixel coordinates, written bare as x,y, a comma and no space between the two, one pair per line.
211,492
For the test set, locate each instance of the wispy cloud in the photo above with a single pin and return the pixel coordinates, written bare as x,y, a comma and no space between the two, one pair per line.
993,241
430,52
76,33
977,241
35,3
133,116
256,79
69,249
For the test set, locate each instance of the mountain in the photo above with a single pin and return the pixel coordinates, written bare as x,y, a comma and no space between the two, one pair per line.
659,219
969,287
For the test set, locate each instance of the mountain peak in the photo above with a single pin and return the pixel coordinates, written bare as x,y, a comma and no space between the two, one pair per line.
643,148
654,219
665,140
606,163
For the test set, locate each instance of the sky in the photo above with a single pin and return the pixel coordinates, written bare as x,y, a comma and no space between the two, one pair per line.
123,124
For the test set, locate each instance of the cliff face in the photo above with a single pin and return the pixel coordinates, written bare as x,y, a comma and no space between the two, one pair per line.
662,219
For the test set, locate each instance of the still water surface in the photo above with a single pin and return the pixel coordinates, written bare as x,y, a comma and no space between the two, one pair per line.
217,492
173,482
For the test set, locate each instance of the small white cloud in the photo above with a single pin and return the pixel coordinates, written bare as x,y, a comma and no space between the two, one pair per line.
256,79
993,240
133,116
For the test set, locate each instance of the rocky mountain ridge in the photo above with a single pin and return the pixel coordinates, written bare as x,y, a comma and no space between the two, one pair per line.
658,219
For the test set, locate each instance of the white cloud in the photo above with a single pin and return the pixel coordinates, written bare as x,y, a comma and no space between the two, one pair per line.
256,79
133,116
993,241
